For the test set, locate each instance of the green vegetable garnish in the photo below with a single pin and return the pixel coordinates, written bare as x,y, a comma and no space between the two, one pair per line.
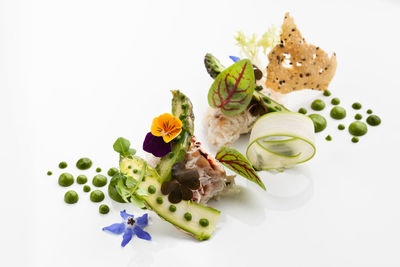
233,88
319,122
99,180
81,179
318,105
358,128
235,161
104,209
84,163
97,196
373,120
122,146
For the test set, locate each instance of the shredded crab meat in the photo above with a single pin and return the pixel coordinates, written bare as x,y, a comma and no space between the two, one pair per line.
224,130
213,179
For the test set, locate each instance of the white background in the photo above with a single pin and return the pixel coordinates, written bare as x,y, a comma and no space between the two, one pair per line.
75,75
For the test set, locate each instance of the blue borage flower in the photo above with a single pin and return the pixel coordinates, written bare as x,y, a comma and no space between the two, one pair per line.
234,59
130,227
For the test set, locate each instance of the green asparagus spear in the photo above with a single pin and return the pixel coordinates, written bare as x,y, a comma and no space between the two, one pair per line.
182,108
213,66
267,103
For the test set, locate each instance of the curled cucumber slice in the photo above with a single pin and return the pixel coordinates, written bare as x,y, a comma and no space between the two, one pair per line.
281,139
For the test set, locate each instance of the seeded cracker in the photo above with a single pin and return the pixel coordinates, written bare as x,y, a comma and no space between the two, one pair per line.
295,64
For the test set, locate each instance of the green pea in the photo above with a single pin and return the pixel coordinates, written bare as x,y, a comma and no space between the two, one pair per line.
65,179
335,101
358,116
99,180
172,208
341,127
328,138
358,128
159,200
97,196
318,104
373,120
62,165
302,111
354,139
49,173
86,188
112,171
104,209
187,216
327,93
356,105
319,122
338,113
98,169
71,197
151,189
204,222
135,170
369,111
81,179
84,163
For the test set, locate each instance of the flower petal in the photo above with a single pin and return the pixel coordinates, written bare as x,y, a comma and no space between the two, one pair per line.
141,234
116,228
234,59
143,221
176,195
169,136
168,186
156,145
127,236
125,215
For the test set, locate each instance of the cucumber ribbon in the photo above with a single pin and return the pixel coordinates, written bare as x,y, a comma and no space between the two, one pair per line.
281,139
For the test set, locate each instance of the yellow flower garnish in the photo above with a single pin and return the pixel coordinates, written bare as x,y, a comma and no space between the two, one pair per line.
167,126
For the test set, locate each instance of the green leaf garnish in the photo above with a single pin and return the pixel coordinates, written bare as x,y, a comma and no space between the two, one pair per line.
122,146
235,161
233,88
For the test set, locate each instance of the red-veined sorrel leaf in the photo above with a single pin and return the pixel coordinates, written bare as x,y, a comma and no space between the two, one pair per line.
233,88
234,160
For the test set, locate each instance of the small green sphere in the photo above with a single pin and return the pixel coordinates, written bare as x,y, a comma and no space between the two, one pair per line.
104,209
112,171
84,163
318,104
327,93
99,180
187,216
341,127
65,179
319,122
98,169
335,101
159,200
358,128
328,138
204,222
97,196
373,120
369,111
358,116
354,139
302,111
62,165
172,208
71,197
81,179
338,113
86,188
151,189
49,173
356,105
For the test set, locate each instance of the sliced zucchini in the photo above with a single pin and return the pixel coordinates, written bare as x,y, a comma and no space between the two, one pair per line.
195,219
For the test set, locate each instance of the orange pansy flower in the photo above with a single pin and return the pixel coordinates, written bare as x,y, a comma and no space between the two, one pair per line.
167,126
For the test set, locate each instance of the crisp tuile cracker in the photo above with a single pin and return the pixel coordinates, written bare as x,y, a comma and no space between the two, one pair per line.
295,64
